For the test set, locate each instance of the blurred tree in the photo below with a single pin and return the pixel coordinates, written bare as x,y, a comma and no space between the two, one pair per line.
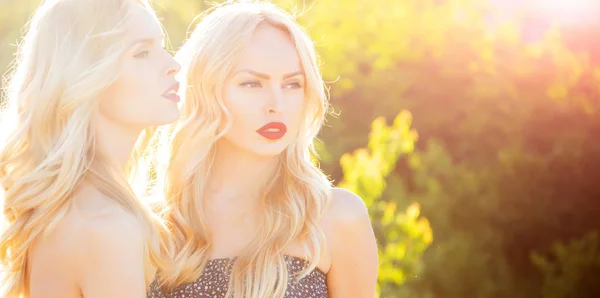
506,162
402,236
506,112
570,268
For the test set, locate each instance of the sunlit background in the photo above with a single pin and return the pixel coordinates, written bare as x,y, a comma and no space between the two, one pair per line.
470,128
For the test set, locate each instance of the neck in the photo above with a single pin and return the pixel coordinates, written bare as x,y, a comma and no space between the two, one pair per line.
115,142
238,177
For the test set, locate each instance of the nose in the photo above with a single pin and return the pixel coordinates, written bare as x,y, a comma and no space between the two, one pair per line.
275,101
173,66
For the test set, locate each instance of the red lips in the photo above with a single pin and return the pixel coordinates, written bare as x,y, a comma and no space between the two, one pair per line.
273,130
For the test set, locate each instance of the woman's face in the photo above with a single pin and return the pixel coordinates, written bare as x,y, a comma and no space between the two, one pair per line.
145,92
265,94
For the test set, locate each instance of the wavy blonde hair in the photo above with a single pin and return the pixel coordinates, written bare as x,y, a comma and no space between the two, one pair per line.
69,55
299,192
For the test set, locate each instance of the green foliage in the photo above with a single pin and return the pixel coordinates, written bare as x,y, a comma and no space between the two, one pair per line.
569,267
402,236
505,164
506,112
466,258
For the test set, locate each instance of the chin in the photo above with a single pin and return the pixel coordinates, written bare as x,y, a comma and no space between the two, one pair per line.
168,116
269,153
271,150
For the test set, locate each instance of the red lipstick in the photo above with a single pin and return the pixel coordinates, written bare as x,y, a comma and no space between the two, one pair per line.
273,130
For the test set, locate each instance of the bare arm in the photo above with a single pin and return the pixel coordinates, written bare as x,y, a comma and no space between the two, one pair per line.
111,261
353,272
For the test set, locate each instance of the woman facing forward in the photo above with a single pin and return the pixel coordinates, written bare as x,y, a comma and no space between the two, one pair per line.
253,216
90,76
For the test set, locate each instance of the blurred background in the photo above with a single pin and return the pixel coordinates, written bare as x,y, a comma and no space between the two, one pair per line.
470,128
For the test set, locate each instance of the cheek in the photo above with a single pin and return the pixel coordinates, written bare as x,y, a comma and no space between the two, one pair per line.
126,85
127,94
296,107
112,97
136,82
243,105
241,111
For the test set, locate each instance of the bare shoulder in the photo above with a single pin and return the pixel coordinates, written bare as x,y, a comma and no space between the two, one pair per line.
110,227
110,258
92,228
90,217
352,246
103,226
346,208
101,220
346,220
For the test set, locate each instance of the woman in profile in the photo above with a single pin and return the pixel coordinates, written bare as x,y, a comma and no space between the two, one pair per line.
91,77
252,215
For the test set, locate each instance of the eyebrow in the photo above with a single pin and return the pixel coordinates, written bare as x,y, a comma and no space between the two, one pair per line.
147,41
267,77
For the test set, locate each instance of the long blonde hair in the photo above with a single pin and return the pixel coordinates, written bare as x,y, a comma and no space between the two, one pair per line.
299,193
69,54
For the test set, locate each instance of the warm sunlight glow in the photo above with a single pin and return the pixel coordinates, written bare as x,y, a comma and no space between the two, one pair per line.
569,11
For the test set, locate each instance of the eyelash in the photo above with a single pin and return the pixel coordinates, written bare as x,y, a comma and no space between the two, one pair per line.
145,53
142,54
246,84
